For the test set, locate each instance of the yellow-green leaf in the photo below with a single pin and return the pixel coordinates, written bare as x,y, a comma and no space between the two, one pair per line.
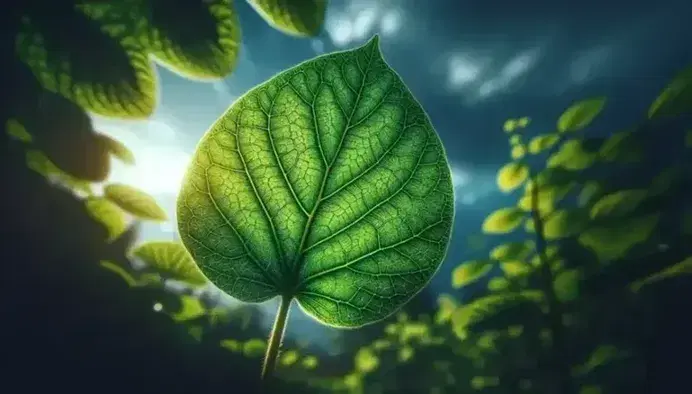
512,175
512,251
565,223
566,285
17,131
405,353
447,305
523,121
613,240
170,259
543,142
515,268
469,272
231,344
118,149
618,203
366,360
191,308
510,125
134,202
254,348
572,156
498,284
580,114
120,271
108,214
310,362
518,152
302,18
289,357
589,192
676,98
503,220
682,268
515,140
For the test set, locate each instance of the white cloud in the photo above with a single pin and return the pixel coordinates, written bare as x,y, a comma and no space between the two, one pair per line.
473,76
360,19
317,46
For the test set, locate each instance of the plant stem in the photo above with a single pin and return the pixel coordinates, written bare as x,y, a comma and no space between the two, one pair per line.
275,339
560,353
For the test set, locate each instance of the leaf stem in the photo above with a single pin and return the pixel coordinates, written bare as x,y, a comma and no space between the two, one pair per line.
275,339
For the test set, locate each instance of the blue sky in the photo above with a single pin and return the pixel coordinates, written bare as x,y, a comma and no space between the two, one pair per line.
471,64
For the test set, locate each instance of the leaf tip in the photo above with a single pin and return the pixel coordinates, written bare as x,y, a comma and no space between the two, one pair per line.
373,43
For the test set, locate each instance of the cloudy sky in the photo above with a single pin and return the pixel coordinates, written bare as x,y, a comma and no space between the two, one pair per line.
472,64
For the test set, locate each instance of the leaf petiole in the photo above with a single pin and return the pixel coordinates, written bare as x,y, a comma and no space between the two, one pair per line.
275,339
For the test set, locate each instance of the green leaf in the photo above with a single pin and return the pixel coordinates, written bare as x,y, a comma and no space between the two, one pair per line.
326,183
503,221
134,202
510,125
523,121
39,162
16,130
366,360
515,140
600,356
566,285
512,175
580,114
310,362
513,251
542,143
515,268
254,348
611,241
191,308
302,18
171,259
565,223
623,147
198,39
498,284
682,268
676,98
572,156
518,152
108,214
99,67
619,203
589,192
591,389
118,149
664,180
120,271
289,357
469,272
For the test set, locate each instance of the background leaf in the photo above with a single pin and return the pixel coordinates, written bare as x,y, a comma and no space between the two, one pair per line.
469,272
676,98
503,221
296,17
134,201
171,259
580,114
108,214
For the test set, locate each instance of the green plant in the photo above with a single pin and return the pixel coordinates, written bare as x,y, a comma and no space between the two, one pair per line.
327,184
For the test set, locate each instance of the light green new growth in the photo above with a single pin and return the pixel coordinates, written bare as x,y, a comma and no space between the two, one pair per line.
327,184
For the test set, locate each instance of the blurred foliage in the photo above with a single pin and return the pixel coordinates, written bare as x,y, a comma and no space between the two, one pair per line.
567,302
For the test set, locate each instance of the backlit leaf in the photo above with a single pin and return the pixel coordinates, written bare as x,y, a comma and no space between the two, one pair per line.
191,308
676,98
310,362
469,272
513,251
523,121
503,220
613,240
171,259
512,175
134,201
498,284
543,142
120,271
108,214
100,68
589,192
289,357
326,182
580,114
517,152
300,18
572,156
366,360
565,223
118,149
254,348
510,125
618,203
515,268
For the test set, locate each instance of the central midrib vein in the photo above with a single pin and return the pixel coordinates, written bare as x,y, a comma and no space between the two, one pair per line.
300,256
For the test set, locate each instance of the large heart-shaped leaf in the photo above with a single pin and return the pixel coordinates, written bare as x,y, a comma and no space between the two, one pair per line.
327,184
